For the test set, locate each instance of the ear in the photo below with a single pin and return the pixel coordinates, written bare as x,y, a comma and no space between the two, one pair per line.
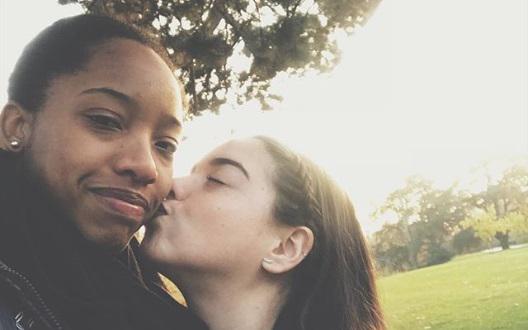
15,125
295,245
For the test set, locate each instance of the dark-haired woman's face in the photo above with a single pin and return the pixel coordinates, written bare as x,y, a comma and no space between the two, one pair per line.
220,219
104,140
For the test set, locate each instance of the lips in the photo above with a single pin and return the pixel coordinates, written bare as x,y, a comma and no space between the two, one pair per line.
125,202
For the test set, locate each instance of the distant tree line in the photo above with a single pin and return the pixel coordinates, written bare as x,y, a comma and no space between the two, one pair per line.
427,226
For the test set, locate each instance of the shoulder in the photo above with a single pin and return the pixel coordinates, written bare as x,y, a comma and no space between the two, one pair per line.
10,168
6,158
21,306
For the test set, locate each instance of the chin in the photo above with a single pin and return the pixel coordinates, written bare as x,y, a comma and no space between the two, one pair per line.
116,247
148,248
112,243
153,250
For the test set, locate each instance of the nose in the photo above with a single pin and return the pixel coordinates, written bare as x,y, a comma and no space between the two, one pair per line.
182,188
136,160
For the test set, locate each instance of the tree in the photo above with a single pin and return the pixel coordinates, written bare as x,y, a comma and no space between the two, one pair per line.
502,206
390,248
202,38
487,225
466,240
428,216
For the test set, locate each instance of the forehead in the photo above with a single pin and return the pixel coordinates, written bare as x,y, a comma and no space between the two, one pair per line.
123,59
123,49
249,152
132,69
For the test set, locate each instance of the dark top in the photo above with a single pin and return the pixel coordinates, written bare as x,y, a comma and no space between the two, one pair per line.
80,286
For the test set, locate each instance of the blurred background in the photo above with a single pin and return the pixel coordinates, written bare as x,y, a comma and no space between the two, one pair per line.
417,108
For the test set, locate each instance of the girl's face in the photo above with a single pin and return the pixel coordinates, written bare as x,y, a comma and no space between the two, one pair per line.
104,140
220,219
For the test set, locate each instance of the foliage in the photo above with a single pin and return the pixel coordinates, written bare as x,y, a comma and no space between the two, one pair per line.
429,224
433,254
203,38
503,206
487,225
478,291
389,245
427,217
466,241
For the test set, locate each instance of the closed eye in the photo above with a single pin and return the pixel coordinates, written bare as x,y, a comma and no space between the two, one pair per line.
215,180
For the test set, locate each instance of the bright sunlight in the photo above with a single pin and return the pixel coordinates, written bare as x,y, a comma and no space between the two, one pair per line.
434,88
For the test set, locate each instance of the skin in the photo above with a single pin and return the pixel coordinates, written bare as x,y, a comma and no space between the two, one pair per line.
217,213
218,228
220,242
104,140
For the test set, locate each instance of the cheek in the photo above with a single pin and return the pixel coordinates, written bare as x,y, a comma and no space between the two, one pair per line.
157,243
203,229
230,232
164,181
48,158
214,218
211,237
52,143
61,162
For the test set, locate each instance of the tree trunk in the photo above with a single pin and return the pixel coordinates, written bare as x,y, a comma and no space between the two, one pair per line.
504,239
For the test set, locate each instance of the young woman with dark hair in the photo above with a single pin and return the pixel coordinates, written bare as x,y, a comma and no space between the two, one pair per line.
259,237
86,154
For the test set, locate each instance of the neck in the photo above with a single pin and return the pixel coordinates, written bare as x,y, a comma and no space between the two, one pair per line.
231,303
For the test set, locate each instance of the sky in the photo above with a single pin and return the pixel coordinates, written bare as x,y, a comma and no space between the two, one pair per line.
428,87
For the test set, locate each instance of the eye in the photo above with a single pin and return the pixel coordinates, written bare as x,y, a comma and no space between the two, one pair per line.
215,180
105,122
167,147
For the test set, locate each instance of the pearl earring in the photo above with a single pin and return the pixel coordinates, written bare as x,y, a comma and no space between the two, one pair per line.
15,144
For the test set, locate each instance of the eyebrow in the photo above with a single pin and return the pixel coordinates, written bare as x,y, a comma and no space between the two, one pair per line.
120,96
111,92
170,121
219,161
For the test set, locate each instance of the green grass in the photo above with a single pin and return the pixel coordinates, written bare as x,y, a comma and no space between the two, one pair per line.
477,291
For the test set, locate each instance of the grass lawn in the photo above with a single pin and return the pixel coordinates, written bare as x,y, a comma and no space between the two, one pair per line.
477,291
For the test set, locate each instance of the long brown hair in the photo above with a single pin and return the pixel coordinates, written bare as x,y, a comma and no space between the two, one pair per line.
334,287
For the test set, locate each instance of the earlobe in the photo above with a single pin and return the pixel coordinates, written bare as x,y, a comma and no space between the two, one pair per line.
15,127
290,251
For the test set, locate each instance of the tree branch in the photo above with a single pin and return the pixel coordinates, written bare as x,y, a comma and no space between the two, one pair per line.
214,17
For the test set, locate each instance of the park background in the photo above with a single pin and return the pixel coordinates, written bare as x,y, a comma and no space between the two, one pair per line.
424,122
